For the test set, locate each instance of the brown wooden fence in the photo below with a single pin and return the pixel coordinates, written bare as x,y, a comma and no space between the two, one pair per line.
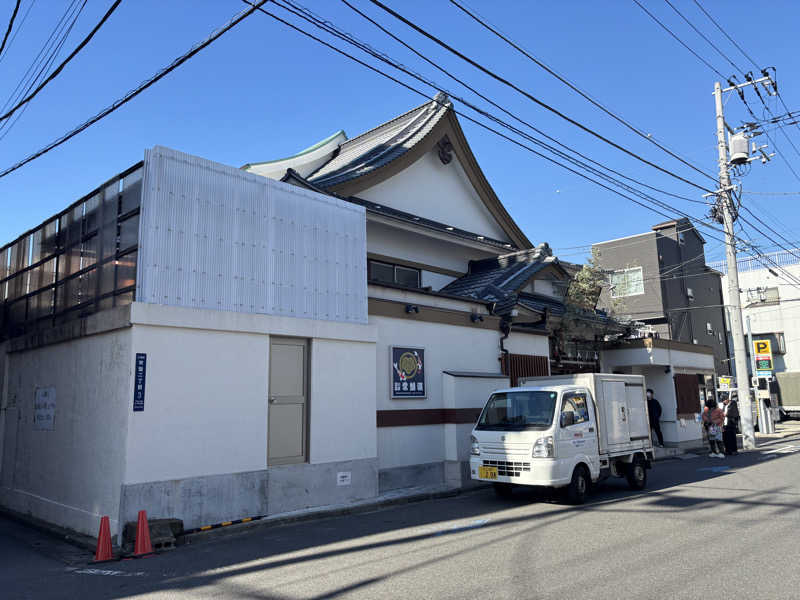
524,365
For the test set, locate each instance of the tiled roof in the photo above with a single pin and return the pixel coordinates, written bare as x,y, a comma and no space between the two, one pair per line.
498,279
380,146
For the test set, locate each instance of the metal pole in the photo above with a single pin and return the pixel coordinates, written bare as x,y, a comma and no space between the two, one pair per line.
737,328
750,347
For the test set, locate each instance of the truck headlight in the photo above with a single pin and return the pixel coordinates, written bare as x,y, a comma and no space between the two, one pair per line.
544,448
474,449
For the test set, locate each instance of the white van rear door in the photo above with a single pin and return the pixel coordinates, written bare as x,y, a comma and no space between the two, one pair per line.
638,423
615,406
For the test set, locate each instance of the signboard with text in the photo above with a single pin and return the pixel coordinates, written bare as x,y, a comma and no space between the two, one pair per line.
408,372
44,409
139,376
762,351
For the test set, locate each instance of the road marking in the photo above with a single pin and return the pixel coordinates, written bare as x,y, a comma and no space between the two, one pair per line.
455,528
785,450
108,572
720,469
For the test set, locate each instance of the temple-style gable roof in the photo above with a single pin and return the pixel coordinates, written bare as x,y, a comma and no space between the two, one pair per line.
373,157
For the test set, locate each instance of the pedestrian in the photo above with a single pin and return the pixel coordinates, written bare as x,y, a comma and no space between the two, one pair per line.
713,418
729,428
654,410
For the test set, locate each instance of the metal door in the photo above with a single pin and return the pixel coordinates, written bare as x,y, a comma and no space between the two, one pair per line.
288,414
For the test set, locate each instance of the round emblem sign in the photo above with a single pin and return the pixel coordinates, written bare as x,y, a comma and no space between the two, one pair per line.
408,365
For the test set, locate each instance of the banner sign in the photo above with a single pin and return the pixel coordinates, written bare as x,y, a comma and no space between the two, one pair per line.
139,376
44,409
408,372
762,350
723,383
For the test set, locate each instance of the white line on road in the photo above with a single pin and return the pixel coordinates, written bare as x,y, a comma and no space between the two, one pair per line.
108,572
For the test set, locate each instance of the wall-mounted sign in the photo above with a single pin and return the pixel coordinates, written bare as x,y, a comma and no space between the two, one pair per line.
44,409
723,383
139,376
408,372
762,350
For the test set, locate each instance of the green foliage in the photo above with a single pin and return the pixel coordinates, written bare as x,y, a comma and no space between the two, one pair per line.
585,288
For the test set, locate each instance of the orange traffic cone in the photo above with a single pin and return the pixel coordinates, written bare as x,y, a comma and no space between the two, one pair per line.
103,552
143,546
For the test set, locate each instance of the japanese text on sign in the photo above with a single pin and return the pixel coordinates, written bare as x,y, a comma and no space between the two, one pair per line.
44,409
140,373
408,373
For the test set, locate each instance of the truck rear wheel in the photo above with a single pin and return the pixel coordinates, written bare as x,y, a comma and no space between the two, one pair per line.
504,490
579,486
636,473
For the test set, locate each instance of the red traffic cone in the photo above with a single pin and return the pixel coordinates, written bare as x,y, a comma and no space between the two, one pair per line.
103,552
143,546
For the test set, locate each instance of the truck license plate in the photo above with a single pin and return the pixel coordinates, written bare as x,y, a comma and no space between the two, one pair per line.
487,472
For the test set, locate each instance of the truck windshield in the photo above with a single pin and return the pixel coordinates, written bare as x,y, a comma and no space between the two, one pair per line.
518,410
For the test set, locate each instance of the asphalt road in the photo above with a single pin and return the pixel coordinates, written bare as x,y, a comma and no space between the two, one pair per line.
705,528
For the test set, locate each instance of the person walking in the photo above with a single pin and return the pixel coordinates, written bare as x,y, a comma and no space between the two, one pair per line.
654,411
713,418
731,411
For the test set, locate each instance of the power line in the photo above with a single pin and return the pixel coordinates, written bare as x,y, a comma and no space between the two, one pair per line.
326,26
329,27
576,89
139,89
534,99
10,25
702,35
725,33
64,63
16,32
679,40
512,115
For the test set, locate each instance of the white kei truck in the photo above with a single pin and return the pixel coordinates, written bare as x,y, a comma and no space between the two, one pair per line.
564,431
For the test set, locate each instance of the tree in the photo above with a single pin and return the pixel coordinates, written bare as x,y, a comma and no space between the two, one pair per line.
584,290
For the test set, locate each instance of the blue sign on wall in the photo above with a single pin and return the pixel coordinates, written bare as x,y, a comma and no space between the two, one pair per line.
138,382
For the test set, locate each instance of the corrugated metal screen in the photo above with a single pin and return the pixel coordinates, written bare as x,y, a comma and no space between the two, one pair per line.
524,365
217,237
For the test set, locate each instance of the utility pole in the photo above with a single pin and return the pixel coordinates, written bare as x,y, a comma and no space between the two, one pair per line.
725,206
726,209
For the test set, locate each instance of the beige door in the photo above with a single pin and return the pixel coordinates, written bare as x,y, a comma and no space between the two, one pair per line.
288,414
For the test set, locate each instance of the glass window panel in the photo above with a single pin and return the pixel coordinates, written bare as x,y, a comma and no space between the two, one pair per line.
132,191
72,258
36,245
381,272
4,264
19,254
35,279
126,271
88,286
111,201
627,282
129,233
45,304
50,238
109,238
123,299
107,271
92,213
72,293
16,286
89,251
407,277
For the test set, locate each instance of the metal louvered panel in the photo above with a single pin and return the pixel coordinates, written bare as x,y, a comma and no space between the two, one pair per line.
216,237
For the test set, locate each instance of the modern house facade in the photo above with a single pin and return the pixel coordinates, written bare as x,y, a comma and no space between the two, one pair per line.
660,278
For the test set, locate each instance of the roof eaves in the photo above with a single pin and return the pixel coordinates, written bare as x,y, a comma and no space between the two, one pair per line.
308,150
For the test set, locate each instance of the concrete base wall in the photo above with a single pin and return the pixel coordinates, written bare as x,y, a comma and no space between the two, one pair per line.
294,487
200,501
412,476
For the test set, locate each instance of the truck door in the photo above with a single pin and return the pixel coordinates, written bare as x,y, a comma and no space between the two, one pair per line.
577,432
615,405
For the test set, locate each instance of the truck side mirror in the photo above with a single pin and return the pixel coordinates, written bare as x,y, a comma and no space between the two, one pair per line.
567,419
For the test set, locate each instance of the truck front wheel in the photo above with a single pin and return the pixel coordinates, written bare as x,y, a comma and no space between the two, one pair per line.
636,473
579,486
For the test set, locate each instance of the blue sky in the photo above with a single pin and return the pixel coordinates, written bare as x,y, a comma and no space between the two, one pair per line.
263,92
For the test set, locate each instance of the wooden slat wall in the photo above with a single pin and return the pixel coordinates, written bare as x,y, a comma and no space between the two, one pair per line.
524,365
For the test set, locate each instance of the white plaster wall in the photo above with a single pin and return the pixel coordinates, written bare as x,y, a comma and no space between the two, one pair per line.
395,242
70,476
465,392
205,404
625,357
447,348
526,343
439,192
435,280
342,404
402,446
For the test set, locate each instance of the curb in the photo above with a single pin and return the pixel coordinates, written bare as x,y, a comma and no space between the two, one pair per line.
243,526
